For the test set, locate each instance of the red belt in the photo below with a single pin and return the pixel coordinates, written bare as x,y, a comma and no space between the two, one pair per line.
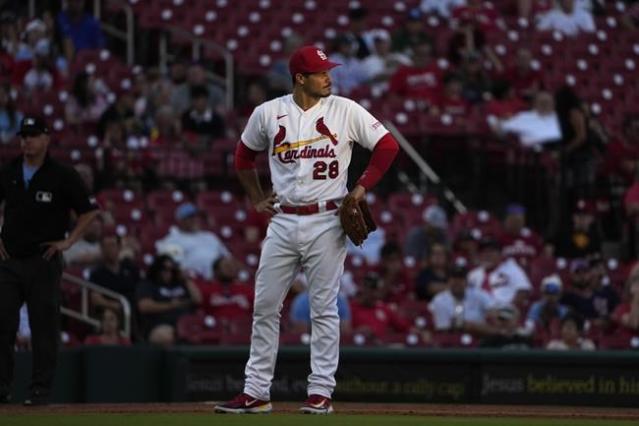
308,209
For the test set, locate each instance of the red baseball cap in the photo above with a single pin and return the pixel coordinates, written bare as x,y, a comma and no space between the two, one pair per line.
309,59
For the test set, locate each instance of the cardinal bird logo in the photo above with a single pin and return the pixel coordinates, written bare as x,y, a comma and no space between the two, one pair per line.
323,130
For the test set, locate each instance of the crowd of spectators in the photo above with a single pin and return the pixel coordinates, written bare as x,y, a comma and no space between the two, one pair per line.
435,280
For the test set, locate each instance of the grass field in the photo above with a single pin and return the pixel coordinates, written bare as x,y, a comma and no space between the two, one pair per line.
285,420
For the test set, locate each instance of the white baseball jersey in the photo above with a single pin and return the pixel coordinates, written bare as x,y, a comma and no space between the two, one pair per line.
503,282
310,151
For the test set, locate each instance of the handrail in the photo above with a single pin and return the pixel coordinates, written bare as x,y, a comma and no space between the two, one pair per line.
198,42
424,167
83,314
128,36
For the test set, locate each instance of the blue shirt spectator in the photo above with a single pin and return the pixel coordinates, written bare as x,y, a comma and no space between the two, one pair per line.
300,313
80,27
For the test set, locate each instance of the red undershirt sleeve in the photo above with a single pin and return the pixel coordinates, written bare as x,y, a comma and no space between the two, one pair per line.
383,155
244,157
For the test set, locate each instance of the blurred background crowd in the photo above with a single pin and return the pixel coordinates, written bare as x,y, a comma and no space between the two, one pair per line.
528,110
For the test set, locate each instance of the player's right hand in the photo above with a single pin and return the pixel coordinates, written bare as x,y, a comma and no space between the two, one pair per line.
267,205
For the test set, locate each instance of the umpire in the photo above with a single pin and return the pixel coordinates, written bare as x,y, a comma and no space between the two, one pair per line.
39,194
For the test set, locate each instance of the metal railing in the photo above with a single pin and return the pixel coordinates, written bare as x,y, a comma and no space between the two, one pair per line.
128,35
197,44
424,167
83,315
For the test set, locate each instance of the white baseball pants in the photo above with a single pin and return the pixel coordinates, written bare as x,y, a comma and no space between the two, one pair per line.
318,244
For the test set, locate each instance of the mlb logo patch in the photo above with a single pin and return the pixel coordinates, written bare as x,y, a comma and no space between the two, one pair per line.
44,197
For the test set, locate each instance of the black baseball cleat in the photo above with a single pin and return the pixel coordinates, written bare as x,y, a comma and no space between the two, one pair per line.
37,399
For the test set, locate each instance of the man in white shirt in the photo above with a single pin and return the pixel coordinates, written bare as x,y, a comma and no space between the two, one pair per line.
568,19
461,308
194,249
443,8
535,127
502,278
352,72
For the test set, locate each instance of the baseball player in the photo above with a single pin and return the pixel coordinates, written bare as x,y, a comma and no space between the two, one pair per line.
308,136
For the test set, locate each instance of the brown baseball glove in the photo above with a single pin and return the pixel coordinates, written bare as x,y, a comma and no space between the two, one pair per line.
356,219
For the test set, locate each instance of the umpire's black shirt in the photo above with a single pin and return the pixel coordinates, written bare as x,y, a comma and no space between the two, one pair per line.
40,213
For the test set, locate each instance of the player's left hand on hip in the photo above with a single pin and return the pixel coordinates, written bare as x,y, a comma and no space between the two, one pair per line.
55,247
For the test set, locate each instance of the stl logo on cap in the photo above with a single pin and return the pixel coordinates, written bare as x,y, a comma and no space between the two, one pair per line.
322,55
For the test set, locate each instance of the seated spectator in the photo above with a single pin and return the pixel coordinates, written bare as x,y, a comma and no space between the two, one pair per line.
33,36
475,80
451,100
622,155
422,80
443,8
547,311
373,317
571,336
466,246
411,34
504,103
279,78
522,77
109,331
507,331
460,307
42,76
383,62
433,278
370,249
395,283
584,238
533,128
358,34
196,77
567,19
434,230
10,116
114,273
256,94
518,241
630,19
587,297
193,248
528,9
78,30
87,102
167,131
626,315
163,298
300,310
352,72
472,23
121,111
200,119
500,277
224,296
86,252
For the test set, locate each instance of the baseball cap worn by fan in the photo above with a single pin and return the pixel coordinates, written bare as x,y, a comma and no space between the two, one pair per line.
32,126
186,210
435,216
551,284
308,60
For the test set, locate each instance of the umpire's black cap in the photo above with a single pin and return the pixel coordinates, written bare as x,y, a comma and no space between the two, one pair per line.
32,126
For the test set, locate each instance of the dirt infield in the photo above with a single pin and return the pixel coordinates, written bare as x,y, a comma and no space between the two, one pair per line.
438,410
